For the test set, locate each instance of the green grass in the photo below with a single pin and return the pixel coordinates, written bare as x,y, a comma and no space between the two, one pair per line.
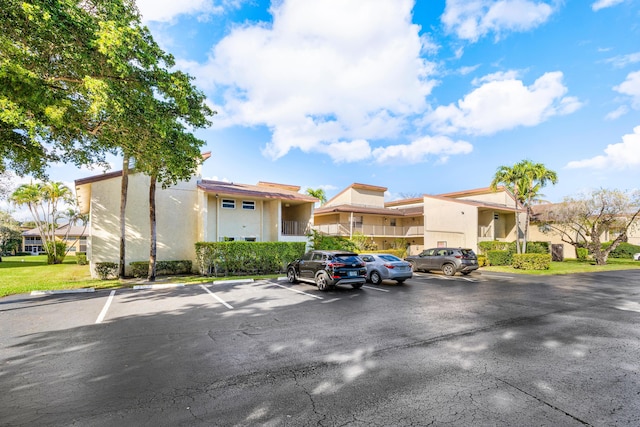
570,266
23,274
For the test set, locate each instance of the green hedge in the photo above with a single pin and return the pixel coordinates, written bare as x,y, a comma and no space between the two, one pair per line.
495,257
106,270
163,268
495,245
246,258
581,254
531,261
623,250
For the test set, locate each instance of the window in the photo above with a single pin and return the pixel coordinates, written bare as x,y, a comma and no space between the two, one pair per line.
249,239
248,205
357,221
228,239
392,222
228,204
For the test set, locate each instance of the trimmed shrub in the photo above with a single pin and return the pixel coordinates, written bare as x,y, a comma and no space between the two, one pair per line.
495,245
495,257
581,254
106,270
538,248
531,261
623,250
246,258
81,258
163,268
482,261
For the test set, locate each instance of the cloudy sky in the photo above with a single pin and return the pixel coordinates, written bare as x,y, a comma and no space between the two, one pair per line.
422,97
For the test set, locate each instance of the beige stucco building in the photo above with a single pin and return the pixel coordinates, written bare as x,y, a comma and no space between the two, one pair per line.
186,213
454,219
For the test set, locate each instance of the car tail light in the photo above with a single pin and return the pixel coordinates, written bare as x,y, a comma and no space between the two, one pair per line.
459,256
336,264
389,266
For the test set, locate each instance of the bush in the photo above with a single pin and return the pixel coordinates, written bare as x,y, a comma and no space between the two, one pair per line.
56,252
321,241
495,257
81,258
623,250
531,261
163,268
495,245
482,261
245,258
581,254
106,270
538,248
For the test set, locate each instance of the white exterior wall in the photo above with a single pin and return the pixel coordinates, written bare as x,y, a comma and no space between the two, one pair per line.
176,219
500,197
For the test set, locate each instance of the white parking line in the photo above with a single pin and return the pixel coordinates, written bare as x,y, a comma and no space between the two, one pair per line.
295,290
103,313
216,297
376,289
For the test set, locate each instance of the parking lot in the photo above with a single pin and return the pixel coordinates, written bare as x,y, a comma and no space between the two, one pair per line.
483,349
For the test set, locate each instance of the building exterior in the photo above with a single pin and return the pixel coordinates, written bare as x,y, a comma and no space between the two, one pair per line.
462,218
186,213
75,237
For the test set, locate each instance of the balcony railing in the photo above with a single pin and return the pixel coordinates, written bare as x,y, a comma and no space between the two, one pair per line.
371,230
294,228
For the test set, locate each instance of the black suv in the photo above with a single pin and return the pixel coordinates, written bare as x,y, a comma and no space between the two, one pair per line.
328,268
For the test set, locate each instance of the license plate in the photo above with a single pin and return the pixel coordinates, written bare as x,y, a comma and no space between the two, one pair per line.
353,273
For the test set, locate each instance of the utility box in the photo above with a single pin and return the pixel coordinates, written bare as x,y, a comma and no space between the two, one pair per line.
557,252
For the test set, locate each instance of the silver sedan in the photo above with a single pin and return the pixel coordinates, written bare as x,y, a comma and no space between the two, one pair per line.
386,266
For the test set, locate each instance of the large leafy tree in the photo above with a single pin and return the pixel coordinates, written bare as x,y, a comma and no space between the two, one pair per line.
80,78
583,221
10,233
524,180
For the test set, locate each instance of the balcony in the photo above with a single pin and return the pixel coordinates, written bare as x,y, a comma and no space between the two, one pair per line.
371,230
294,228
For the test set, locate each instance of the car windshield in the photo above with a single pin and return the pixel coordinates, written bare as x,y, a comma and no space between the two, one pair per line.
390,258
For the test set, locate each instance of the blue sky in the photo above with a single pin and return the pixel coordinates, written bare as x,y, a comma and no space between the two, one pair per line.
422,97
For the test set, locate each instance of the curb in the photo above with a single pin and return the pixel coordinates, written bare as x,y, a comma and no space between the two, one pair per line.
64,291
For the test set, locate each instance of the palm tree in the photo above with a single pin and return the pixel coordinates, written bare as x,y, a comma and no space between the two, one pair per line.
318,194
525,180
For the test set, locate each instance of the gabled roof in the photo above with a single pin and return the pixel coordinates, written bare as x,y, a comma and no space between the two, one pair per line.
358,186
268,191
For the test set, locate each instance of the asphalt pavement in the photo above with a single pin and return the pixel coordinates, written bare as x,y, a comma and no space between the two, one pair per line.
483,349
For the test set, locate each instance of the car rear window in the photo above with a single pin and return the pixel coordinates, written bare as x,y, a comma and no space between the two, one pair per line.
347,258
390,258
468,253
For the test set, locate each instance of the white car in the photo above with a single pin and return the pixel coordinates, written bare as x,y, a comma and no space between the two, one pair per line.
386,266
636,256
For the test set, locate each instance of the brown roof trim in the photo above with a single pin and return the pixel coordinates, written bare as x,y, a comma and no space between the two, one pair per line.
232,189
325,210
472,192
97,178
401,202
476,203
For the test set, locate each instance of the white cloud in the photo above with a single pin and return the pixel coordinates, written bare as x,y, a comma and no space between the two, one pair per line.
601,4
621,61
631,87
617,113
472,19
625,154
502,102
325,76
418,150
168,10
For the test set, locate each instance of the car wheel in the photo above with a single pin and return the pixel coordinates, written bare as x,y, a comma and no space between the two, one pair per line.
356,285
449,270
291,275
375,278
322,281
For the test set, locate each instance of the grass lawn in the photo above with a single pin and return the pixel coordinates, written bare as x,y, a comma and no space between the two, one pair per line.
23,274
569,266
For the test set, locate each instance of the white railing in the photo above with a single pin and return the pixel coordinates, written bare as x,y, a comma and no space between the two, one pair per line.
343,229
294,228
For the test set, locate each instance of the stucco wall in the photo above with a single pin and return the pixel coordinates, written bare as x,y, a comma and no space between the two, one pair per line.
500,197
176,217
450,222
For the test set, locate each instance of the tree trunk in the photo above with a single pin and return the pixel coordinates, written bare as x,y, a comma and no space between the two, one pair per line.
152,223
124,187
